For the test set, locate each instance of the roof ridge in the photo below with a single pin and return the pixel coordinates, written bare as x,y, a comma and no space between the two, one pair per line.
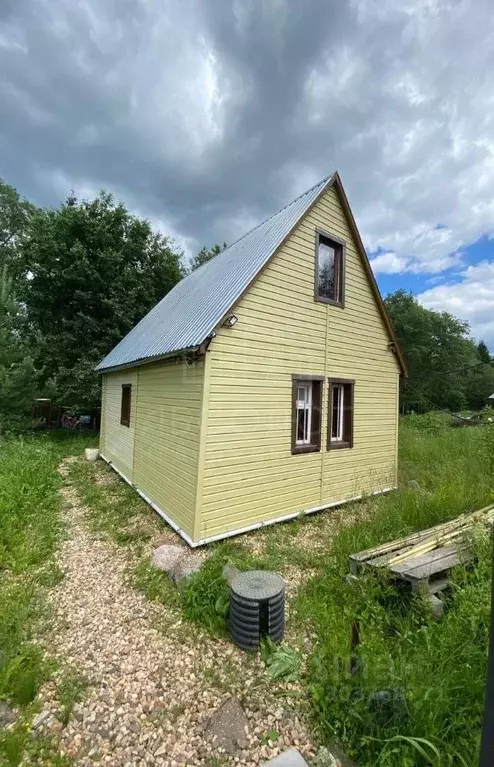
302,194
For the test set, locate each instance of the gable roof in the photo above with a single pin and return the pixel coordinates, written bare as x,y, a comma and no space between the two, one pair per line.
191,311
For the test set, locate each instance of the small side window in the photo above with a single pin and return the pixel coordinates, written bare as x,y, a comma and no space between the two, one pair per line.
330,270
340,413
125,404
306,414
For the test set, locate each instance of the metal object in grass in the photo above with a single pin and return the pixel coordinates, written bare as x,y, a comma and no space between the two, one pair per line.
257,608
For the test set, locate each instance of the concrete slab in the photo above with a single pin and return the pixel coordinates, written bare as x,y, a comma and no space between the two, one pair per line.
290,758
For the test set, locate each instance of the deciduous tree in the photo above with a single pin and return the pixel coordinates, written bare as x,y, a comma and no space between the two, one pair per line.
439,352
95,270
17,382
15,215
205,255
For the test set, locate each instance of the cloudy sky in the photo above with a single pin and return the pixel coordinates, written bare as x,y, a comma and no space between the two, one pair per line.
208,115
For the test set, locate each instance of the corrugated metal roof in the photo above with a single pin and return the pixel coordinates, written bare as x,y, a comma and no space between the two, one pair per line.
189,313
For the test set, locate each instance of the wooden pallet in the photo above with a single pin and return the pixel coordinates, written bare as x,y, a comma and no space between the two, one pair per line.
425,559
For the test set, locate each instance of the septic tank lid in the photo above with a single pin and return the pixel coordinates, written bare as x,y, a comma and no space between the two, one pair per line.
257,585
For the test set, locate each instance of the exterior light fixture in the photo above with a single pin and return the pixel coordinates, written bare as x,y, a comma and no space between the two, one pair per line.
230,321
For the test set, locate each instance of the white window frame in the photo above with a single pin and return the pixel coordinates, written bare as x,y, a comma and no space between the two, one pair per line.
340,388
304,404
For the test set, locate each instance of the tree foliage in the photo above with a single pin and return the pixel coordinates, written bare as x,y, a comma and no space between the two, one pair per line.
17,382
15,216
483,352
446,368
205,255
75,279
94,271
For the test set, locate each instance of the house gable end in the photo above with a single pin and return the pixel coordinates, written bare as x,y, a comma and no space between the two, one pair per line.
251,474
339,225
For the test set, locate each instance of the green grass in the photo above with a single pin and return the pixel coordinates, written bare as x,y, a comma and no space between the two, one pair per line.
435,670
114,509
30,532
154,584
71,690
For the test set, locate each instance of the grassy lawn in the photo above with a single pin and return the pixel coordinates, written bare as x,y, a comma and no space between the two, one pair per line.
30,531
430,676
417,695
435,672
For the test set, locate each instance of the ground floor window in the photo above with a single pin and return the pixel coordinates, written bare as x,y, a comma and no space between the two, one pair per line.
125,404
306,413
340,413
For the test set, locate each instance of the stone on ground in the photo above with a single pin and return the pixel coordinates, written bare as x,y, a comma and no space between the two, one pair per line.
342,760
227,727
7,716
41,718
186,567
437,606
290,758
167,557
153,680
326,758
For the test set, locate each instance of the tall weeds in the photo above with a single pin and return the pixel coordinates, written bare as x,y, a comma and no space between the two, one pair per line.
416,697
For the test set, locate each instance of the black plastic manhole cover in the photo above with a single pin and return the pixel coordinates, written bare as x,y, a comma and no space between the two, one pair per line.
257,608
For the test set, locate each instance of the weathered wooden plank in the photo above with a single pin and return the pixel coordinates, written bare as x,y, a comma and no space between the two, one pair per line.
379,555
408,542
426,565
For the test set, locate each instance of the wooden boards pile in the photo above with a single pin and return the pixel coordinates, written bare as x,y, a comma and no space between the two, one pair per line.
425,558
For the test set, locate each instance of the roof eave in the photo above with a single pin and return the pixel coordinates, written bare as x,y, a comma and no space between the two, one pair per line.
149,360
336,181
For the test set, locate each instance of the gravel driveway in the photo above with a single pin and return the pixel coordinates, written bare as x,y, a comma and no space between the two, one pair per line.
154,681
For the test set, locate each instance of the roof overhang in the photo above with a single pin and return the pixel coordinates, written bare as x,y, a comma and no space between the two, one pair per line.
178,355
394,345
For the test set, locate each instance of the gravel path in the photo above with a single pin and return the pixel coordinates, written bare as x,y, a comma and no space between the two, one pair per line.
153,680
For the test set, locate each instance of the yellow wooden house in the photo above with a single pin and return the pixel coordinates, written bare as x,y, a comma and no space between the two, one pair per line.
265,384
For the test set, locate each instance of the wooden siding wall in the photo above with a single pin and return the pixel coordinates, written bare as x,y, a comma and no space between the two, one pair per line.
117,441
249,473
169,403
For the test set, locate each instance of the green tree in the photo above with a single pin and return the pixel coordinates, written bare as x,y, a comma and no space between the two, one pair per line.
479,386
15,215
17,383
483,352
205,255
95,270
438,352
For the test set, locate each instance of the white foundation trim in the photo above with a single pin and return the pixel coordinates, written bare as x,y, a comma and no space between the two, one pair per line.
249,528
159,511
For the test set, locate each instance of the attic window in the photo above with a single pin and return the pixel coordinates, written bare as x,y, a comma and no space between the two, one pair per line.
330,271
306,413
125,404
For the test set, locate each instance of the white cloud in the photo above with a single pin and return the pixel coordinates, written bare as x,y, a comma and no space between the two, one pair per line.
209,116
389,263
416,146
472,299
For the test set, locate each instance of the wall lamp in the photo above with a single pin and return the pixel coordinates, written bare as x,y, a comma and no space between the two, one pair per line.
230,321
